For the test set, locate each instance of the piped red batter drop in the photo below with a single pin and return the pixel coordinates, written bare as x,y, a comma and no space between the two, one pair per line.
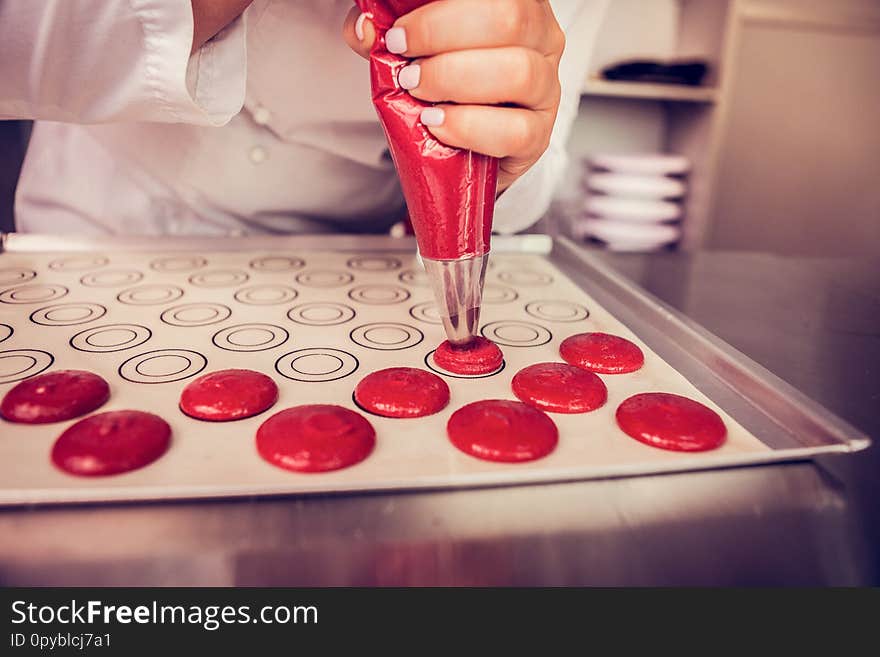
111,443
315,438
559,388
228,395
479,356
671,422
501,430
402,392
54,397
602,352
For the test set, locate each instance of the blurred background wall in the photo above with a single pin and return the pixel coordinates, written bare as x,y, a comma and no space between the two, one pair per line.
784,134
799,168
12,146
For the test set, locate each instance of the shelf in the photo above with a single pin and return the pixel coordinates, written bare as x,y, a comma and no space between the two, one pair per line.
649,91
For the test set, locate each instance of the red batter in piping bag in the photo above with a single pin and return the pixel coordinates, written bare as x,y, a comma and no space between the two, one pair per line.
450,192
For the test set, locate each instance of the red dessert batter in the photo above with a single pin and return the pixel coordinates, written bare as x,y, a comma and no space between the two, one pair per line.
228,395
315,438
501,430
402,392
602,352
110,443
671,422
559,388
449,192
479,356
54,397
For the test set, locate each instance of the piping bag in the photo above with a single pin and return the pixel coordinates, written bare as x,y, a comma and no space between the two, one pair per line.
449,192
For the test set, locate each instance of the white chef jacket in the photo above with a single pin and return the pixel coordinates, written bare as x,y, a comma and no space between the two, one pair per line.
268,128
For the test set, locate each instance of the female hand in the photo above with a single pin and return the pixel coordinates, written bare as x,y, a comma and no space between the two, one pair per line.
492,67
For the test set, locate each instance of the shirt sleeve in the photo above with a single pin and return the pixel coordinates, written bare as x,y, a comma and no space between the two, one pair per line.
94,61
528,198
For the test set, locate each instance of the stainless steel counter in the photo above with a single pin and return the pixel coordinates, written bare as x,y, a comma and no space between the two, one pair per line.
814,322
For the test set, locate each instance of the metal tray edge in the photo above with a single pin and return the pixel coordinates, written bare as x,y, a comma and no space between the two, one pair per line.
773,389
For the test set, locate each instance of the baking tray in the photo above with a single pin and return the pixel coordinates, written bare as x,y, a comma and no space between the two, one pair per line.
538,291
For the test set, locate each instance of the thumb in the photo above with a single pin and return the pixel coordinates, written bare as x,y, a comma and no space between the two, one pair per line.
359,32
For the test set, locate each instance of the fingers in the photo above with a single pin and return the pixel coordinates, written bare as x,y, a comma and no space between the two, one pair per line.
502,132
359,32
498,75
437,27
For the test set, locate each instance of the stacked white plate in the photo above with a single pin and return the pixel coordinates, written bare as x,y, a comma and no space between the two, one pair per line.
634,201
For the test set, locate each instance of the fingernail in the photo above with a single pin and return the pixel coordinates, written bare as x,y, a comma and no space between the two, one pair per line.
395,40
410,76
359,27
433,116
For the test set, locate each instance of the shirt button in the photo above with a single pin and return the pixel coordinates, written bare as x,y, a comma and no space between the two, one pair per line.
262,115
258,155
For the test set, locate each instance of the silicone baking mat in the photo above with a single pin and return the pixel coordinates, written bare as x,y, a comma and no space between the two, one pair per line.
316,322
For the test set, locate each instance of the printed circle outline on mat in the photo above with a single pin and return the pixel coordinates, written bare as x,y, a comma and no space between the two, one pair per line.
378,295
431,365
571,312
324,278
135,371
411,336
251,295
504,332
30,293
277,336
84,340
498,294
178,263
219,278
374,263
525,277
414,277
297,314
112,278
172,316
141,295
421,312
39,361
11,275
44,316
277,263
327,364
6,332
79,263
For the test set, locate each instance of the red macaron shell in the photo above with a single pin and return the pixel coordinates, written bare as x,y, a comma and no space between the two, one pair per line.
559,388
671,422
602,353
503,431
111,443
315,438
228,395
402,392
54,397
479,356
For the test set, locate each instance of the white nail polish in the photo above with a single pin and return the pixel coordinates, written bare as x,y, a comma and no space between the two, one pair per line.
410,76
359,27
395,40
432,116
